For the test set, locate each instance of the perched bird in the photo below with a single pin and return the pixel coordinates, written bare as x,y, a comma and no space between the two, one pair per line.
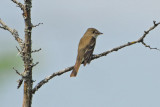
85,49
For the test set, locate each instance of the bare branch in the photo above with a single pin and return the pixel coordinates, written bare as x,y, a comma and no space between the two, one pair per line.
36,50
17,72
19,4
13,32
140,40
37,25
50,77
20,81
146,32
33,65
18,50
149,46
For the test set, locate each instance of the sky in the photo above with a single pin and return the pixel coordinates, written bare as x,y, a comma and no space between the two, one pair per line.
126,78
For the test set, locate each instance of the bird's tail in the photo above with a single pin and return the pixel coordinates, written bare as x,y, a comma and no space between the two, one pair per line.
75,69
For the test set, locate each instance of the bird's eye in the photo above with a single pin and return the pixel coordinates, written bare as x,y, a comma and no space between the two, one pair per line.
95,32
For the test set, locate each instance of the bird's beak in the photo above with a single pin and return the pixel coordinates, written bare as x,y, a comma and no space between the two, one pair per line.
100,33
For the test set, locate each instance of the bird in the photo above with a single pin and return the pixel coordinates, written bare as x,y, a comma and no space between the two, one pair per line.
85,49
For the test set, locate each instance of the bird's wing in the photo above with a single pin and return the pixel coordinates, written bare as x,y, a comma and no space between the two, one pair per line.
89,51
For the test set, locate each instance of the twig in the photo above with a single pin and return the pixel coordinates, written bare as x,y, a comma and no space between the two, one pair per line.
13,32
149,46
20,81
37,25
33,65
36,50
146,32
140,40
17,72
18,50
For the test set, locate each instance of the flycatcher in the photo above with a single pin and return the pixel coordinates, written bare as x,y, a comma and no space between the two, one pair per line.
85,49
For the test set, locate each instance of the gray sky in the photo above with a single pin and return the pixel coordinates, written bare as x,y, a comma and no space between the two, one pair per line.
126,78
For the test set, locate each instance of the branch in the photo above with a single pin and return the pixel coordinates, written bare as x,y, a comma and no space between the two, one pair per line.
140,40
36,50
149,46
13,32
19,4
37,25
20,81
33,65
50,77
17,72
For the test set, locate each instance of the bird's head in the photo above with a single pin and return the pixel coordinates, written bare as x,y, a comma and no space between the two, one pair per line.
93,32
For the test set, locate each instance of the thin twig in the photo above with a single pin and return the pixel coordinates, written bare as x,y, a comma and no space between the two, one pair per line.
37,25
33,65
20,81
17,72
146,32
149,46
18,50
36,50
140,40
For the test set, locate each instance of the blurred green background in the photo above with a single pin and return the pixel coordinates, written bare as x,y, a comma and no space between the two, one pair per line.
8,60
